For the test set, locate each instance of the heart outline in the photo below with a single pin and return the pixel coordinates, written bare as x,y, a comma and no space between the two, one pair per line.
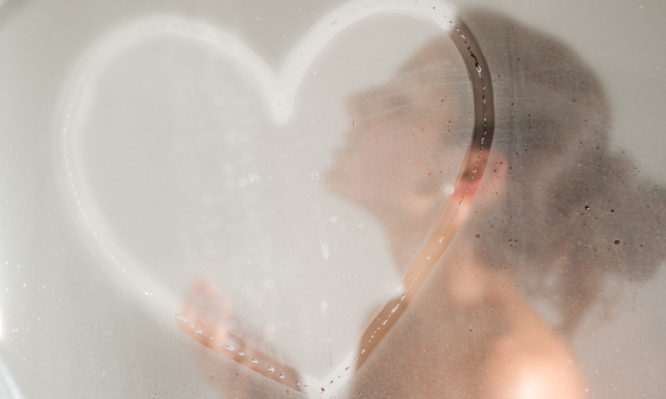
280,90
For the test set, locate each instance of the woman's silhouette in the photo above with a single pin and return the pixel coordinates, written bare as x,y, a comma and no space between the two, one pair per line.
556,211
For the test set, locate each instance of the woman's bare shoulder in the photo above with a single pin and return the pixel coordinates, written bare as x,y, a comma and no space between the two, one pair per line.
531,365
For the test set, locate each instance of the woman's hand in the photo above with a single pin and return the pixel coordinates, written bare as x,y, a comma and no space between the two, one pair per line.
206,316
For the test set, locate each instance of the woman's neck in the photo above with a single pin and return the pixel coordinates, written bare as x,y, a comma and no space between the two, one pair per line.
405,236
468,279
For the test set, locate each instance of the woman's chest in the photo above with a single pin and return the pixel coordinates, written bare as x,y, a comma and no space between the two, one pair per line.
436,350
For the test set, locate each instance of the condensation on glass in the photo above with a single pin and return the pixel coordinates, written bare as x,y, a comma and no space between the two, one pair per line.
368,199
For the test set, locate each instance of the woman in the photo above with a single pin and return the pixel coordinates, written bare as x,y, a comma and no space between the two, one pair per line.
547,220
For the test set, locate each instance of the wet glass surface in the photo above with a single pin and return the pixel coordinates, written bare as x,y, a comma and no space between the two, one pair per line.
364,199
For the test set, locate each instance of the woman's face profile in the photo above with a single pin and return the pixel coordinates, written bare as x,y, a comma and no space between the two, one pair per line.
399,154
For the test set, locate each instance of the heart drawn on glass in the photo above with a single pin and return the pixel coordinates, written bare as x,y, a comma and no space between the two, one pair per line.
189,162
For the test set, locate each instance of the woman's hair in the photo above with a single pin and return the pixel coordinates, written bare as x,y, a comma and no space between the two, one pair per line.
574,210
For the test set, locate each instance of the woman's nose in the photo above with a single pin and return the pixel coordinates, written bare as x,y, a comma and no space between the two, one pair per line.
358,104
366,103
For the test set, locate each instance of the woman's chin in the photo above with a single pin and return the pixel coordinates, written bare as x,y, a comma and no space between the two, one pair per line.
341,185
336,183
